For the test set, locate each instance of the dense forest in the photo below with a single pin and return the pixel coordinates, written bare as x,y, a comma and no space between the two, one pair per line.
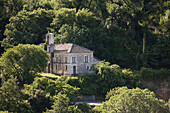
130,37
131,33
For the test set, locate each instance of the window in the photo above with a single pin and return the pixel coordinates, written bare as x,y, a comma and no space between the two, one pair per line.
73,60
86,59
49,49
56,67
87,67
66,67
47,39
56,59
65,59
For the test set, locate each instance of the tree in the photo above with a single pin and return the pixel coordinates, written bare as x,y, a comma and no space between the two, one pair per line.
62,105
23,62
12,98
69,16
110,76
52,87
40,101
142,16
8,9
27,27
133,101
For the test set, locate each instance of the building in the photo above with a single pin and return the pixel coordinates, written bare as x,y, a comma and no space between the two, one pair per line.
68,58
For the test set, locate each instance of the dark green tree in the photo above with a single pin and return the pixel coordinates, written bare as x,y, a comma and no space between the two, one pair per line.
62,105
110,76
28,27
52,87
8,8
40,101
12,98
23,62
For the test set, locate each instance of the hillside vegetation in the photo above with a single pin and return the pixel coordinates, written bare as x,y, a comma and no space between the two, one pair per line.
131,37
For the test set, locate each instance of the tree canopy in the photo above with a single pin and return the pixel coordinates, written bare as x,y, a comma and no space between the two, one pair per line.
23,62
119,31
28,27
133,100
12,98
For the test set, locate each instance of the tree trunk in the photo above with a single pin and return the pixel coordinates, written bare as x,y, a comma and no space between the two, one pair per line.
144,57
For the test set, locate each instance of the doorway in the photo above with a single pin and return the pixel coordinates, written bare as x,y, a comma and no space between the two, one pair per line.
49,68
74,70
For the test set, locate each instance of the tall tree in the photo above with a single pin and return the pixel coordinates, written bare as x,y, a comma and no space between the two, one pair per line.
28,27
8,8
23,62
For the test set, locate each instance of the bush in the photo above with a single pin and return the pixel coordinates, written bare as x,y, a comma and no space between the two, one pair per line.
150,74
104,78
74,81
84,107
12,98
62,105
89,85
137,100
86,83
40,101
53,87
110,76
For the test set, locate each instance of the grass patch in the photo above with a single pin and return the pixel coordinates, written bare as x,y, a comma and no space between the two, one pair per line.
49,75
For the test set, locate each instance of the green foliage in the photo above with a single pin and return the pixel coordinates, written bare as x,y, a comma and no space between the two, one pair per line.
62,105
165,22
39,102
111,76
74,81
150,74
168,103
86,83
133,100
160,53
129,33
114,91
23,62
45,46
28,27
122,31
89,85
86,18
63,16
4,112
104,78
53,87
70,16
35,4
12,98
84,107
8,8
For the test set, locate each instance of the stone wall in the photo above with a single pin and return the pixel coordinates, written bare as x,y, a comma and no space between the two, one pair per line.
63,63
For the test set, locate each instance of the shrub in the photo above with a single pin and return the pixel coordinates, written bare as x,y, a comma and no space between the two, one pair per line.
40,101
137,100
84,107
150,74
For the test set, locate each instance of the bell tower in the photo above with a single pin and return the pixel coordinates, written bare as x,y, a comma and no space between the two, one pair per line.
50,42
50,50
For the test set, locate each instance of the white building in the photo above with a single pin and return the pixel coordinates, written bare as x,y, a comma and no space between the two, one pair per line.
68,58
